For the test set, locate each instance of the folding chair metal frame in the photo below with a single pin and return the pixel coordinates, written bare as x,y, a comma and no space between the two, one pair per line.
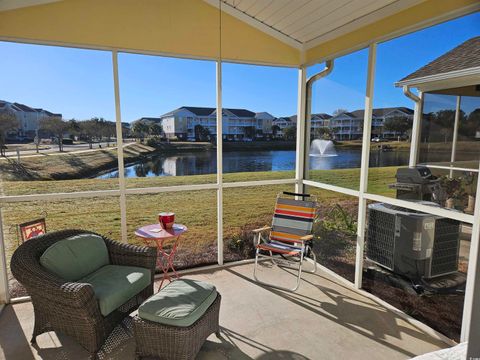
286,260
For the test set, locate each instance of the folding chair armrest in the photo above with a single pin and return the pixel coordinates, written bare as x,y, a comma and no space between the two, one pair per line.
265,228
306,237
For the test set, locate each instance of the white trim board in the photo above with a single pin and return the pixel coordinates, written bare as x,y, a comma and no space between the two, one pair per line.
471,77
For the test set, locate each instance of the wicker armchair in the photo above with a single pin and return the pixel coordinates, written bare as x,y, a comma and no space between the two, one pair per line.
70,307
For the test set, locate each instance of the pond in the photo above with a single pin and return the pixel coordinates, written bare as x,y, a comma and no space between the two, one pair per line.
199,163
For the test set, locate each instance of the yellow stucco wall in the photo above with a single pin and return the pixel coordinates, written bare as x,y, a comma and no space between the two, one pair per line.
404,19
176,27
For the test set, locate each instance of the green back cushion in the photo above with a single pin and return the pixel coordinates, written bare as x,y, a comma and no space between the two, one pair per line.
180,303
76,256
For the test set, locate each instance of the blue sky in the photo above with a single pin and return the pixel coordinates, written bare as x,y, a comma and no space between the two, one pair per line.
79,84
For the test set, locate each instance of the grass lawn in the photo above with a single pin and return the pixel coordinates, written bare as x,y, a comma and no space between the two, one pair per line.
244,207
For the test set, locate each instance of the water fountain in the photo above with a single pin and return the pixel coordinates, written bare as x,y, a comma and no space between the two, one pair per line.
322,148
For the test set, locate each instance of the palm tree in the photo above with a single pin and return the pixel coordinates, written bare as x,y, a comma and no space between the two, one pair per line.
249,131
290,132
275,130
155,129
201,133
140,129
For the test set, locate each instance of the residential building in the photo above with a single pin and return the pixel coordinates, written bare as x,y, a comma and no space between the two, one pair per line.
237,123
383,114
320,120
28,118
264,124
283,123
349,125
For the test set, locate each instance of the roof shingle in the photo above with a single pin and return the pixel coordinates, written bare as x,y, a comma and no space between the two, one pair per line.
464,56
205,111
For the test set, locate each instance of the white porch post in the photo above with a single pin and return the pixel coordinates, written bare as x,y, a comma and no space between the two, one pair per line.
471,318
4,294
219,165
416,130
300,161
121,166
367,131
455,133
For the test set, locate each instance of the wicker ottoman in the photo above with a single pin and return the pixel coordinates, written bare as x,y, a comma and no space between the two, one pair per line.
175,342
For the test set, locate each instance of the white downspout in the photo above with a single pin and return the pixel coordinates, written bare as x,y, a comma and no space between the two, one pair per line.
308,112
300,144
416,128
455,134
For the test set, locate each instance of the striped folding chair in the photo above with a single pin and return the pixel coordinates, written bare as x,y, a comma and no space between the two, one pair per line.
290,236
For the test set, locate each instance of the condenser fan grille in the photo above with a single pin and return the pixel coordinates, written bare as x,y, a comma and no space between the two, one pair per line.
381,238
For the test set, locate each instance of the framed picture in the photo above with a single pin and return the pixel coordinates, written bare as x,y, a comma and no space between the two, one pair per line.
32,229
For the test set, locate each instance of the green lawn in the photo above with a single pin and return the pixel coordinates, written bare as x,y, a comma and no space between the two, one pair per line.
245,208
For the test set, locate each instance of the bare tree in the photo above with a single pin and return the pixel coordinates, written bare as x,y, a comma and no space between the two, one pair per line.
57,127
8,122
339,111
89,130
106,129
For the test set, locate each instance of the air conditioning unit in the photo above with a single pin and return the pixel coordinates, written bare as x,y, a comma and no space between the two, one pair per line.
410,243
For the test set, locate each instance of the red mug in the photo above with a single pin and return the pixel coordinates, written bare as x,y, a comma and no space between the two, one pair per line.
166,219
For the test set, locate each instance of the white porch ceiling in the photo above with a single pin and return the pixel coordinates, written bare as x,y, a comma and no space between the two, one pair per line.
307,23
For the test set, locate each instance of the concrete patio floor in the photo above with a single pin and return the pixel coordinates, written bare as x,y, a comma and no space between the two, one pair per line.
324,319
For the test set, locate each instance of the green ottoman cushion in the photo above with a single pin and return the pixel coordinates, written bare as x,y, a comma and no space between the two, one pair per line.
180,303
76,256
115,284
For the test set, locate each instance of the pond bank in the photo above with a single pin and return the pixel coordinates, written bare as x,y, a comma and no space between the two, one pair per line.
71,165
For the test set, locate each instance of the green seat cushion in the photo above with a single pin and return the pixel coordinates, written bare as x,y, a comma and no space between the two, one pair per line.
114,285
76,256
180,303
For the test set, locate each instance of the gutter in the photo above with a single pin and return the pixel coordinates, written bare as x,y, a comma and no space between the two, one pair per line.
470,72
408,93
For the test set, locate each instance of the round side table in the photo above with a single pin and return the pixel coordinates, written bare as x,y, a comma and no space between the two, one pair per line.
155,233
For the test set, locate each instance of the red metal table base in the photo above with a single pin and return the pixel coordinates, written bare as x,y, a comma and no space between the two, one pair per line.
165,260
154,232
